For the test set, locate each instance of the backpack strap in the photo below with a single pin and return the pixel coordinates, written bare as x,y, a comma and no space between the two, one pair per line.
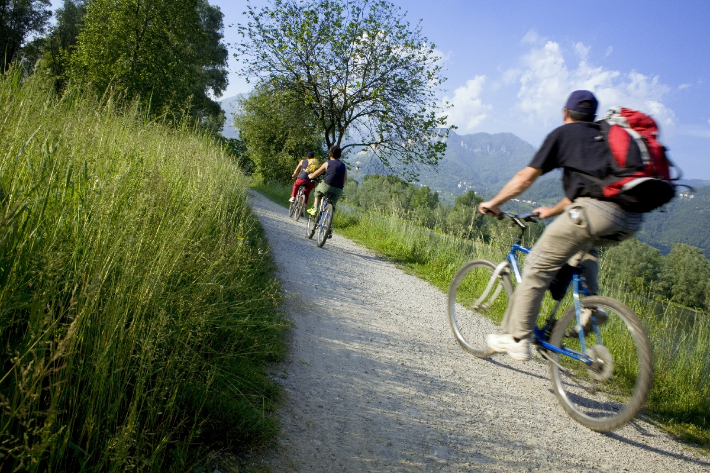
614,117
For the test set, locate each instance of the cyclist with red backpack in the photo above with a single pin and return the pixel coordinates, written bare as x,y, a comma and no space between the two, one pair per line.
587,217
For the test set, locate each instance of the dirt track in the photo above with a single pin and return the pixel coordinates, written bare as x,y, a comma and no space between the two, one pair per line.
375,382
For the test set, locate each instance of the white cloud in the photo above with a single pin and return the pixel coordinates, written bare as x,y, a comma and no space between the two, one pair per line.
609,50
708,121
547,80
684,86
582,51
511,76
468,109
532,37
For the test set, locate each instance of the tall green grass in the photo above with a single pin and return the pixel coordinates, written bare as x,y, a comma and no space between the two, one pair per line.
137,295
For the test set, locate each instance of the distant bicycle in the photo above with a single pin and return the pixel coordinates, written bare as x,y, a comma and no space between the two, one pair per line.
599,354
295,208
321,222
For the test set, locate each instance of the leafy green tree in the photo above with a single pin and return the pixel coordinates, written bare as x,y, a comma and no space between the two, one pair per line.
51,54
19,18
237,150
685,275
278,130
464,220
386,193
367,77
167,53
424,198
633,264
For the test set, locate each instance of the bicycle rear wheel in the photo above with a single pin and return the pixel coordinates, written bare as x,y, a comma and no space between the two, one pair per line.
612,391
292,209
473,295
324,225
300,202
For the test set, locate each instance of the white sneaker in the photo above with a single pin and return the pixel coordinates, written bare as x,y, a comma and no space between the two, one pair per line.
292,199
505,343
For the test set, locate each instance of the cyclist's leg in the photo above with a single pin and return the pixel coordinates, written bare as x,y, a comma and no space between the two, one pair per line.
583,224
320,191
296,184
335,194
307,188
589,260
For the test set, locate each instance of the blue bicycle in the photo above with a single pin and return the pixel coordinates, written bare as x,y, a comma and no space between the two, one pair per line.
321,222
599,354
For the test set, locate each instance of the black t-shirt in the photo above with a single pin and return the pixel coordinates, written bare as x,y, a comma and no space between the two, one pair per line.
578,148
335,173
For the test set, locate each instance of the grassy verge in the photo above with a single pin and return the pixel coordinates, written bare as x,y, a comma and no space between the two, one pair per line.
680,398
137,295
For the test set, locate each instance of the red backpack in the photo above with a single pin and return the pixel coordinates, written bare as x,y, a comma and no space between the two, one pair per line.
640,182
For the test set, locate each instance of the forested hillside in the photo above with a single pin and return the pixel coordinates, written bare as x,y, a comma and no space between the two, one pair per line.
685,220
480,162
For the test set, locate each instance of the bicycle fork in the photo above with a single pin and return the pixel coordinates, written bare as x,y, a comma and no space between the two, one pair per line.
491,282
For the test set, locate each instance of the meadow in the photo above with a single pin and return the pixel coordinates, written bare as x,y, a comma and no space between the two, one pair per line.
680,398
138,303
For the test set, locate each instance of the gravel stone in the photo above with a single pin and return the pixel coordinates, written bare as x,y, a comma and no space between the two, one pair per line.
374,380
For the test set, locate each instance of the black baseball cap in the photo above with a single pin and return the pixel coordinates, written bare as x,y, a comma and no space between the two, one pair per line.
577,97
310,154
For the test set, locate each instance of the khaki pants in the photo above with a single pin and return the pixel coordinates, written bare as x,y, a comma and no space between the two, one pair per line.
584,224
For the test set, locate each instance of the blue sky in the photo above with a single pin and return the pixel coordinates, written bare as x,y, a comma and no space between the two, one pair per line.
511,64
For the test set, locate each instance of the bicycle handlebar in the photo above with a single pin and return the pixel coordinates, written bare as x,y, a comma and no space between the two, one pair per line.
517,219
528,217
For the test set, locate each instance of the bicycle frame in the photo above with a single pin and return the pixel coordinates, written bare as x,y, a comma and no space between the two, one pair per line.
323,204
540,335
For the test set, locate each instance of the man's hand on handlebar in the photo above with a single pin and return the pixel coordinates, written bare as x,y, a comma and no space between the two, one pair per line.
487,208
545,212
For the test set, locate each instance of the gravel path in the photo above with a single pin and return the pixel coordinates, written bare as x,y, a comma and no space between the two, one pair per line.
374,380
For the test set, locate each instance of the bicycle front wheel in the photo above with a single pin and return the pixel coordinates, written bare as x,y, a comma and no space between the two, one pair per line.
311,226
473,296
324,226
610,392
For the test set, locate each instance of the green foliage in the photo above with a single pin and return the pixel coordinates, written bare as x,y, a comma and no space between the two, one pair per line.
19,18
635,264
278,130
50,55
685,276
359,68
686,219
167,53
237,150
137,295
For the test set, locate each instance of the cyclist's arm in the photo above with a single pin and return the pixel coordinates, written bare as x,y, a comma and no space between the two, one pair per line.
296,171
548,212
516,186
318,171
